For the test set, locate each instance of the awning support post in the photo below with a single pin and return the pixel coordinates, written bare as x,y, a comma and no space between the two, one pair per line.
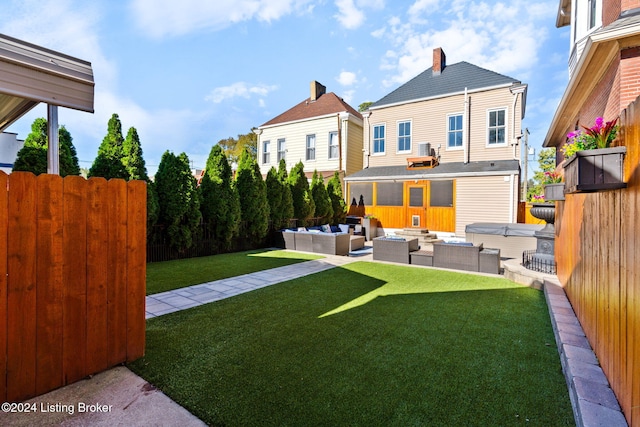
53,152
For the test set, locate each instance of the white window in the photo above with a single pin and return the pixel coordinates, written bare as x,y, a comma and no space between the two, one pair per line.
497,127
311,147
592,14
333,145
404,137
282,149
266,155
454,131
378,139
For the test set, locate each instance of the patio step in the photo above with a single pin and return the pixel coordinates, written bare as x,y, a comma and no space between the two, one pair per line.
425,239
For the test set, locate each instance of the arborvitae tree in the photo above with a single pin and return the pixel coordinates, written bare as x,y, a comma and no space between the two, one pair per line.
109,162
252,190
274,197
334,189
220,204
179,204
153,208
303,205
320,197
132,156
287,199
33,155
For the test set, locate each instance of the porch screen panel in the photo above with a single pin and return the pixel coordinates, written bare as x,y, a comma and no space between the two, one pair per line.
364,189
416,197
390,194
441,193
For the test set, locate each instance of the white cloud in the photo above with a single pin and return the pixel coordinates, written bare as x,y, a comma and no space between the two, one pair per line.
347,95
349,16
160,18
238,89
484,34
422,7
347,78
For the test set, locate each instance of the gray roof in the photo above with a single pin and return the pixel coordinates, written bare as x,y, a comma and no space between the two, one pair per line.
453,79
445,170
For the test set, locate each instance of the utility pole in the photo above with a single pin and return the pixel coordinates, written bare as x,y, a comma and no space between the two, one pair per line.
526,164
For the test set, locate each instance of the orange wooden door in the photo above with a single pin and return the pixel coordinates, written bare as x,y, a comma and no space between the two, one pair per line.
416,206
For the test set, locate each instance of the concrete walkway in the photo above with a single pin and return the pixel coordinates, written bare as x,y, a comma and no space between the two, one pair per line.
192,296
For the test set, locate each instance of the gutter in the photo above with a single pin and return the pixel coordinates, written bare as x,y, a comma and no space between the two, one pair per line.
431,177
446,95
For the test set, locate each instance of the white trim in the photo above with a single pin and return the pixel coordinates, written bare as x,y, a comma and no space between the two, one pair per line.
306,147
263,151
410,150
373,139
506,127
337,157
446,95
446,143
284,140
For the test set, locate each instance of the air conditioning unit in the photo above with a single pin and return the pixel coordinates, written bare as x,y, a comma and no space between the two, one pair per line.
424,149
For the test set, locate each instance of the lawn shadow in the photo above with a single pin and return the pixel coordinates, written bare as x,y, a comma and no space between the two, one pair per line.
405,280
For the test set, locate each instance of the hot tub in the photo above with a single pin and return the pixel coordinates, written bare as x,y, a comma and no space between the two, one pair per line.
511,238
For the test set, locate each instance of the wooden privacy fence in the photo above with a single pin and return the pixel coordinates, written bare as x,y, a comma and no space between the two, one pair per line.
72,279
598,257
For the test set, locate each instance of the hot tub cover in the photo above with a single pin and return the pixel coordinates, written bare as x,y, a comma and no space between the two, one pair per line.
503,229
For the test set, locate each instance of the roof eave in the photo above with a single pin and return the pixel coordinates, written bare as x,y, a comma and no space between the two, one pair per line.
352,118
563,18
445,95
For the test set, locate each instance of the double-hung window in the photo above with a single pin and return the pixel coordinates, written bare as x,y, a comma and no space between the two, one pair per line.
266,155
404,137
333,145
497,129
282,149
311,147
454,131
378,139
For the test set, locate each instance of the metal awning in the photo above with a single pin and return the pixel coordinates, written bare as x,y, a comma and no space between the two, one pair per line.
31,74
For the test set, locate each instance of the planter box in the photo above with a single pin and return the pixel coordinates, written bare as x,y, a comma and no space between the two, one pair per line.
595,170
554,191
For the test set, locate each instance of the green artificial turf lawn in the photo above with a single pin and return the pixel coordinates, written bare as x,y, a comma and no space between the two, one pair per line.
366,344
165,276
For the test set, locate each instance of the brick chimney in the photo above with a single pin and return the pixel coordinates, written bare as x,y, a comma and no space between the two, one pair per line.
439,61
317,90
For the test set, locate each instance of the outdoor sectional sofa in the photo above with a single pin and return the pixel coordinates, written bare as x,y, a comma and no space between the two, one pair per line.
331,243
456,256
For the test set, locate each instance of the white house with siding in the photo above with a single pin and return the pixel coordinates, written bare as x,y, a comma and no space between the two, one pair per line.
442,151
323,131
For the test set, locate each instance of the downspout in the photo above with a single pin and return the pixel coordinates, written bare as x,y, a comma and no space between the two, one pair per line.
53,146
512,179
339,143
367,144
514,140
465,125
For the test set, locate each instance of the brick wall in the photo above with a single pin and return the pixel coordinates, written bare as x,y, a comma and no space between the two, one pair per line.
629,76
629,4
611,10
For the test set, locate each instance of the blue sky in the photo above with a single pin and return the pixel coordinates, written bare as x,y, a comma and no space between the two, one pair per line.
188,73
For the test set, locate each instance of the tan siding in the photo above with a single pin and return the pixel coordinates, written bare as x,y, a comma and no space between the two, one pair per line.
353,151
429,124
296,140
482,199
